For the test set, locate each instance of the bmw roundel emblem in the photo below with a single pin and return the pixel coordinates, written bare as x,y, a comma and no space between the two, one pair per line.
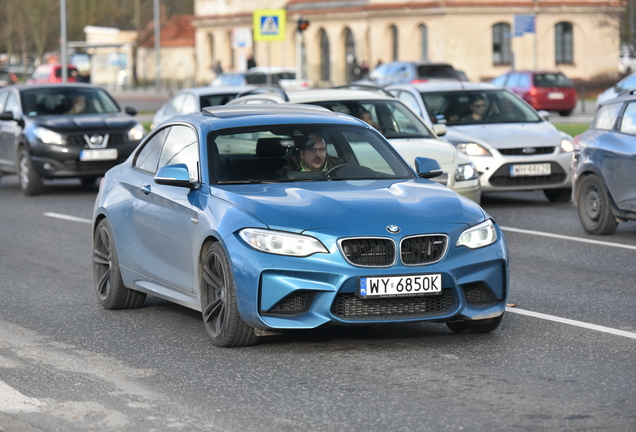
393,229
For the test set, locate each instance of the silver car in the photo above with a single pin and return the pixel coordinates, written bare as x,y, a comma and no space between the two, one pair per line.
513,147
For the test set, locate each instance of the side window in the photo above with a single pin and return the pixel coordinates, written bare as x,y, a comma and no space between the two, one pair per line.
606,117
628,122
524,81
189,104
174,105
513,80
410,101
500,80
3,98
13,105
148,157
181,147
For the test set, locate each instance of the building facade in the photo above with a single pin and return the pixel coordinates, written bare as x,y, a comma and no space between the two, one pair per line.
578,37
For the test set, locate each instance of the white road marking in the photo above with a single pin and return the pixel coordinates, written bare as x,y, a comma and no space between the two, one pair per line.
68,218
12,400
562,237
582,324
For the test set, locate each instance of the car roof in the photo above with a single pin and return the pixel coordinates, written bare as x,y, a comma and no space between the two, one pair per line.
74,85
326,95
210,90
448,85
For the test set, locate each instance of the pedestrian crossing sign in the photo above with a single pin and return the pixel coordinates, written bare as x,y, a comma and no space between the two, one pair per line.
269,24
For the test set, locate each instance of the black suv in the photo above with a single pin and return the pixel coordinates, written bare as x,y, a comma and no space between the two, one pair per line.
53,131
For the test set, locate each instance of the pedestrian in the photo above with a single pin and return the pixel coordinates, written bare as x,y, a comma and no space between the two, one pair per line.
250,61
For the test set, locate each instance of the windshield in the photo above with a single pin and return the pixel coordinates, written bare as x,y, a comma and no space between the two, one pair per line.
478,107
391,118
302,153
66,100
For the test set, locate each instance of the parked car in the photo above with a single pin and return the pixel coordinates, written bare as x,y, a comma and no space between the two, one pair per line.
52,73
513,147
399,72
604,167
543,90
191,100
198,216
403,129
262,76
50,131
7,78
623,86
627,63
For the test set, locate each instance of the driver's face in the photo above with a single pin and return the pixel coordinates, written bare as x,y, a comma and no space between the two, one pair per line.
315,157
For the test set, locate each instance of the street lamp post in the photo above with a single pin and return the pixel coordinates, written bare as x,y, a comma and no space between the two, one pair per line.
63,52
157,46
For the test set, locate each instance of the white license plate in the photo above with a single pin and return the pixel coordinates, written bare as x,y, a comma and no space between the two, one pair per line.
541,169
98,155
555,95
394,286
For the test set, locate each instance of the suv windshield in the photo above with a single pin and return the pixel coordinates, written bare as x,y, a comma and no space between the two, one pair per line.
65,100
302,153
391,118
478,107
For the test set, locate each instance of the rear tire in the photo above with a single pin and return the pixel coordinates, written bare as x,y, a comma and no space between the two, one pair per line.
594,207
565,113
558,195
478,326
109,285
30,181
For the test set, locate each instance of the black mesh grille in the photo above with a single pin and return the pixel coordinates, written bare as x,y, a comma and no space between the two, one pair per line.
114,139
502,178
100,166
520,151
479,294
369,251
350,306
422,250
295,303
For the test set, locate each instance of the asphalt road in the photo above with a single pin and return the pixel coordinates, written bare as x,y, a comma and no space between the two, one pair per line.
66,364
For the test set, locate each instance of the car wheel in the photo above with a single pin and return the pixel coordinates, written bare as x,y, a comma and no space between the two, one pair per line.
109,285
88,181
595,210
558,195
565,113
477,326
221,318
30,181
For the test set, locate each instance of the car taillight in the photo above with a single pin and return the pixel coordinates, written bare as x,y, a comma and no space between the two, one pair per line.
417,81
533,91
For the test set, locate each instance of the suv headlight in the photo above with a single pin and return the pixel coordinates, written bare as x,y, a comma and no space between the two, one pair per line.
282,243
136,133
47,136
473,149
567,145
478,236
466,172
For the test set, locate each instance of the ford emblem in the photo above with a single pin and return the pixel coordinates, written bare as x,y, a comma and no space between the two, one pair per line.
393,229
529,150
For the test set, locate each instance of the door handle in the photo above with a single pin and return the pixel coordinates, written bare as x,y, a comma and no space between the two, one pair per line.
146,189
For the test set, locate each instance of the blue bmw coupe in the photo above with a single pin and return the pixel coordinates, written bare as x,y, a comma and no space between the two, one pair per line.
267,218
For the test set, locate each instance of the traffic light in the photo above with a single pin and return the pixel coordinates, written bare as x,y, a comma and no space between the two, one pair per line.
302,24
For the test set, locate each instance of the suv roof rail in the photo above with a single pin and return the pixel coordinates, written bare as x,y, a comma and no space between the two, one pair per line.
369,87
261,90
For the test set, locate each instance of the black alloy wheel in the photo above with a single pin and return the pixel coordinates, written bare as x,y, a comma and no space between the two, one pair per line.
30,181
221,318
109,285
594,207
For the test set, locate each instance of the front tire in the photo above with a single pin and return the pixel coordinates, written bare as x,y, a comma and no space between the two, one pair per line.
595,210
565,113
477,326
558,195
30,181
109,285
221,318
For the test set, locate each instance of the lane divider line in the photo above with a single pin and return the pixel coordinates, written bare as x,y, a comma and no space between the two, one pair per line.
67,217
563,237
582,324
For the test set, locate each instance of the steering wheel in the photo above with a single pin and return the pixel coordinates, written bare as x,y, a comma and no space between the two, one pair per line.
337,167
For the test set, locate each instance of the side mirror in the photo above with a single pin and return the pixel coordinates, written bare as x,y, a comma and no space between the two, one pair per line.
174,175
544,115
427,167
7,116
130,110
440,129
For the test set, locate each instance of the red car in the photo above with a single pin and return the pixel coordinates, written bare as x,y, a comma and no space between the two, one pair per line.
543,90
51,73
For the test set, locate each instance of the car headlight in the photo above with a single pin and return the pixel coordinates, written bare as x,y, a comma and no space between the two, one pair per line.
466,172
136,133
480,235
47,136
282,243
473,149
567,145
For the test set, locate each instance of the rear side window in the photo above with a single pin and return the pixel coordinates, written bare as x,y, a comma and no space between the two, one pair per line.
605,118
628,120
181,147
552,80
436,71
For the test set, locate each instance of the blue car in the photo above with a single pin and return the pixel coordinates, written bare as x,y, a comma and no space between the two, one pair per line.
604,167
228,212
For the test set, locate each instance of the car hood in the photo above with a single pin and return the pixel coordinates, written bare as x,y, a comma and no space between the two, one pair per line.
410,148
313,205
509,135
81,123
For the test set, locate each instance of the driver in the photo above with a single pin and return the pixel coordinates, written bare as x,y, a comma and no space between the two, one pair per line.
314,158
